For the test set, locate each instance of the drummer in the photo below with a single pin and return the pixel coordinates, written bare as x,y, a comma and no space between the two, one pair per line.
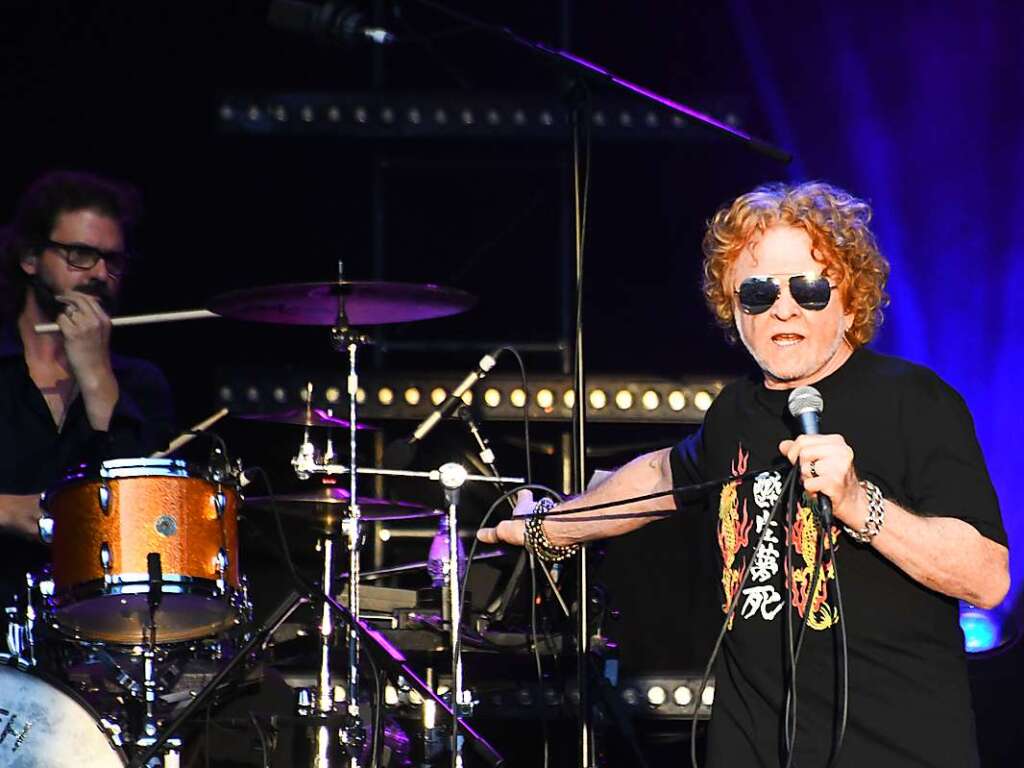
65,399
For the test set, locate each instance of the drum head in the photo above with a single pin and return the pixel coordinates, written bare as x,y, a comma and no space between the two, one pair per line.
123,617
42,726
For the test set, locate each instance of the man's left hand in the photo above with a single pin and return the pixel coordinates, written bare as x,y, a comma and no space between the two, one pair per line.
826,466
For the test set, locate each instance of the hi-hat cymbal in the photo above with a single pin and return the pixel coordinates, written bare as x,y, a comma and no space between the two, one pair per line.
364,303
325,506
317,417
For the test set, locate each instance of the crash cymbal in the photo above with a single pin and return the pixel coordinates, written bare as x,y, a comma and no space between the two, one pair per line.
364,303
327,505
317,417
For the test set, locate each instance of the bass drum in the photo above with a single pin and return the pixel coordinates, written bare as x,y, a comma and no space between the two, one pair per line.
45,726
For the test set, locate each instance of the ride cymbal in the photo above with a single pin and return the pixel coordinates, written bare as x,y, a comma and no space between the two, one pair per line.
363,303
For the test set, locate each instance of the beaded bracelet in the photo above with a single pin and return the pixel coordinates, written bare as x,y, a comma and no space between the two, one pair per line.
537,541
876,515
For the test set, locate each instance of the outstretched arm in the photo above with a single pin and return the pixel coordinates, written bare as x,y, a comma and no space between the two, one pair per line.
645,474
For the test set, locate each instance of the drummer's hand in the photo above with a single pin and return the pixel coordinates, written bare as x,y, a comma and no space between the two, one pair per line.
19,514
510,531
86,330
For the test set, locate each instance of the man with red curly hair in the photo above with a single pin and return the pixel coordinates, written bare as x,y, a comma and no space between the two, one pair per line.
794,273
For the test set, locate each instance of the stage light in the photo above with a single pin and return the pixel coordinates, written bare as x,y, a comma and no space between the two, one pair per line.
437,395
412,396
415,697
598,399
390,695
656,696
492,397
702,400
226,394
385,396
384,534
280,395
332,395
545,398
360,395
630,696
708,697
650,400
467,397
982,631
517,397
569,398
682,696
623,399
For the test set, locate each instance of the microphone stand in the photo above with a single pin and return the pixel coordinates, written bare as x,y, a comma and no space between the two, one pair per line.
581,71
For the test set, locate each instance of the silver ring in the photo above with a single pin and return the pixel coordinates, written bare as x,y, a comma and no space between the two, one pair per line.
813,471
70,310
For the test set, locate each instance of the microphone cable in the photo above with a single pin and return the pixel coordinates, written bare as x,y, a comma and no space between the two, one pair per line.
727,622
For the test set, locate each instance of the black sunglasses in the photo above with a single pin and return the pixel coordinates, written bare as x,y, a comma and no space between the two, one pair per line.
759,292
81,256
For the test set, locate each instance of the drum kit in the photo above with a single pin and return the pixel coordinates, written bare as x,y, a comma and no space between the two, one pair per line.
146,583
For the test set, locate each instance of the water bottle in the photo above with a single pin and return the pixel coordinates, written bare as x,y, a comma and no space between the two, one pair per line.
439,554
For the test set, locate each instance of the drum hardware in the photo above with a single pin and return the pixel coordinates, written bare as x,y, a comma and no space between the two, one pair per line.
452,477
343,306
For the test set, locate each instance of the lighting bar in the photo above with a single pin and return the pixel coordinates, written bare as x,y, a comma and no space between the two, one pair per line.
413,396
400,115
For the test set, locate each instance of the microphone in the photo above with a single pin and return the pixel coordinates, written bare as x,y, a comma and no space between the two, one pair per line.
400,452
332,21
806,405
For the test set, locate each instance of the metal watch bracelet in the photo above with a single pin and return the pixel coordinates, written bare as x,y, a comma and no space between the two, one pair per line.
876,515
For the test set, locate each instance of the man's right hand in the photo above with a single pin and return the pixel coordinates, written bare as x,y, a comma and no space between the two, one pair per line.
510,531
19,515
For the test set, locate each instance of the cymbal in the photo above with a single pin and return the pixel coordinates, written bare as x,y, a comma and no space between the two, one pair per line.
327,505
318,417
364,303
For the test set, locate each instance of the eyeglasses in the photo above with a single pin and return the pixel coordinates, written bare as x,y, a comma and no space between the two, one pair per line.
81,256
758,293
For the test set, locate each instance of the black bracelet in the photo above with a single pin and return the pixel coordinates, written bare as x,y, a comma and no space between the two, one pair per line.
537,541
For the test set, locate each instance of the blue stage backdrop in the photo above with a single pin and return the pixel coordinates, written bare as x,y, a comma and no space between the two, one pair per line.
917,108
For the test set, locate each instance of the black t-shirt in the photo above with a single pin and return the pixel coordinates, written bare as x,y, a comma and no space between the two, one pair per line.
909,702
34,455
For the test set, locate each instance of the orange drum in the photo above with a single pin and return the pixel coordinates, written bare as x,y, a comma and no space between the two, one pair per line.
106,523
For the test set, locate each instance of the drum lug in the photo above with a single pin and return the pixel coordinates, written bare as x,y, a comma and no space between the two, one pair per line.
106,561
220,564
46,529
103,492
113,731
220,503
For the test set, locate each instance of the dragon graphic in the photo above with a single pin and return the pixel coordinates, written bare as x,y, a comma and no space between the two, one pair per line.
733,531
802,538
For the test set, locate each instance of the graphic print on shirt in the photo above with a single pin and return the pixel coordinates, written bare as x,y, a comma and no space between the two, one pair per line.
761,597
803,539
733,530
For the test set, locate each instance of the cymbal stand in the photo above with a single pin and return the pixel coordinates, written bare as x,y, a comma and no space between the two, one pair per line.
343,337
452,477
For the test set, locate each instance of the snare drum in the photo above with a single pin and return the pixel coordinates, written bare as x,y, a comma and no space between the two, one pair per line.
104,524
45,726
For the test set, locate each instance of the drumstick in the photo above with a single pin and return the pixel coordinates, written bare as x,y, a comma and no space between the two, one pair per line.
186,437
154,317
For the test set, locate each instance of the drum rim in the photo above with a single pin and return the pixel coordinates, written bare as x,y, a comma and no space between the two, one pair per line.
128,468
19,664
138,584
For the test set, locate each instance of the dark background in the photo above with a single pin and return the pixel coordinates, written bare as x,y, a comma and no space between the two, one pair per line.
915,108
